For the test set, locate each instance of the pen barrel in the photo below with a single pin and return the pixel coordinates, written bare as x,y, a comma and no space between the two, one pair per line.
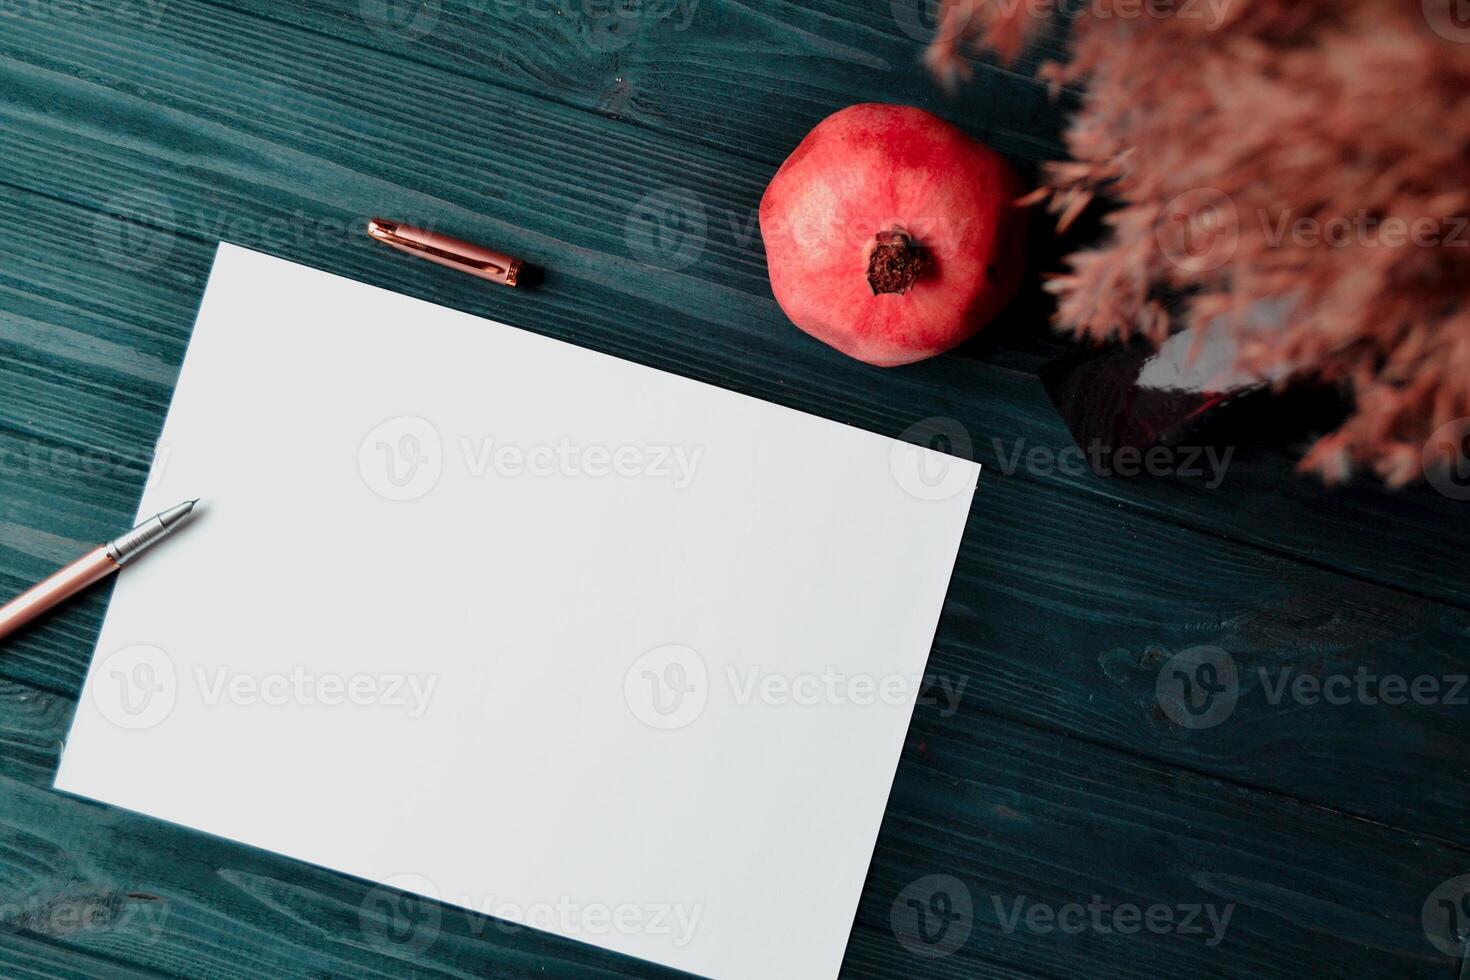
453,253
92,567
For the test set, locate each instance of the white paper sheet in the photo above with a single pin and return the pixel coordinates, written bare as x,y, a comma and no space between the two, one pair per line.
522,627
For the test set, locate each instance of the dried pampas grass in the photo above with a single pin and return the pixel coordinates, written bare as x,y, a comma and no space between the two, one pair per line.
1306,155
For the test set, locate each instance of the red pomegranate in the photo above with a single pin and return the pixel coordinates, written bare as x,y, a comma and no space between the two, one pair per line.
891,235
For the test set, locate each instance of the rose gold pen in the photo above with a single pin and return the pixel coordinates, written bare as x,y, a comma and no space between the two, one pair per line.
446,251
92,567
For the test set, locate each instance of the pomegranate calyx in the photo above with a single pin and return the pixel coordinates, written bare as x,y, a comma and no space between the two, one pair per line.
895,262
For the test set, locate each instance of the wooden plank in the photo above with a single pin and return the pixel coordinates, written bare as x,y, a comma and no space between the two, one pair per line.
708,71
33,725
27,957
1062,613
811,59
187,904
1013,813
1073,819
274,139
1005,809
1052,822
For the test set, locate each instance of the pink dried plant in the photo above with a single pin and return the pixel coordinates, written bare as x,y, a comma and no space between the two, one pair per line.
1306,156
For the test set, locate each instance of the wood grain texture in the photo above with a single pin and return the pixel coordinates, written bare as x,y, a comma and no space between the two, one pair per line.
25,956
1010,811
230,126
1057,822
33,727
707,71
1169,589
1062,611
813,59
131,146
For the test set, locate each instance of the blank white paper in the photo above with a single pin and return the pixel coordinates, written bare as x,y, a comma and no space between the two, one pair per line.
521,627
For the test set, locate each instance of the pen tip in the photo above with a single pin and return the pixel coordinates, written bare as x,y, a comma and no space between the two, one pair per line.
177,512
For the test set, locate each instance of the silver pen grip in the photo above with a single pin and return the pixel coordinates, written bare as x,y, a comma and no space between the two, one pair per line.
126,547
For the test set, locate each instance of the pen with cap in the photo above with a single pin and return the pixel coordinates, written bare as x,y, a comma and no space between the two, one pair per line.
92,567
446,251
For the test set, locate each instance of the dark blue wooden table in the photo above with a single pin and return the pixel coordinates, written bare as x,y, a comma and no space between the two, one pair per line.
1062,817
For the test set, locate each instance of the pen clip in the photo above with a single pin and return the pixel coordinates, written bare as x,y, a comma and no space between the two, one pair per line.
446,251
